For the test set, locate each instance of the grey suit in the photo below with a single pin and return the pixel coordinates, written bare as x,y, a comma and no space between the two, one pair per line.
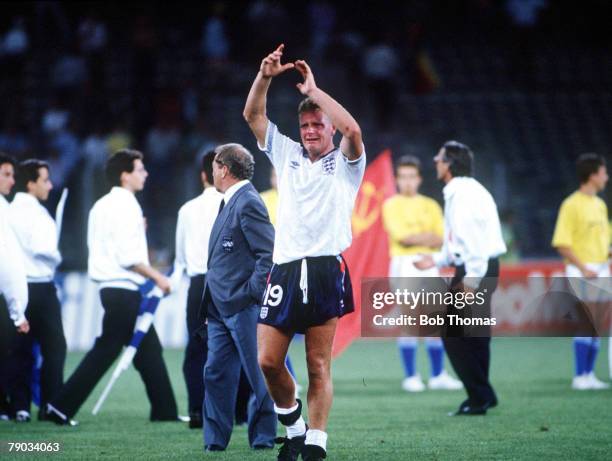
239,259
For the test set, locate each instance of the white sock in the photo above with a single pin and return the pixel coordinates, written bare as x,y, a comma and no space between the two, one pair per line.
285,411
296,429
316,437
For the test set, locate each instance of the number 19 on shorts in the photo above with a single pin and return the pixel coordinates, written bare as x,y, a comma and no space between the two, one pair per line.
273,295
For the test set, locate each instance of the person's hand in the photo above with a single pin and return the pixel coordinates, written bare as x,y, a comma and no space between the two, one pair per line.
426,262
164,284
588,273
271,65
24,327
309,82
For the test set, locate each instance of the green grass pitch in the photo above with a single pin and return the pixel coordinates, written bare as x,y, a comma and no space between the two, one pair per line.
539,416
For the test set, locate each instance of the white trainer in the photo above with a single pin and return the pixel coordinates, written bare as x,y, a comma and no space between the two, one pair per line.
413,384
595,383
444,381
581,383
22,416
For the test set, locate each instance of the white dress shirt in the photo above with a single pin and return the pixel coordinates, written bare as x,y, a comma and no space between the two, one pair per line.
315,199
116,240
472,231
229,193
195,222
13,282
37,234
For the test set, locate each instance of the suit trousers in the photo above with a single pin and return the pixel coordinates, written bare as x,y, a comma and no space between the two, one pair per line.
196,353
44,313
7,331
232,343
120,312
197,349
470,353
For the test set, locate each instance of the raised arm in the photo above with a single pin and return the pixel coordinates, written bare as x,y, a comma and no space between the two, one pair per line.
351,144
255,108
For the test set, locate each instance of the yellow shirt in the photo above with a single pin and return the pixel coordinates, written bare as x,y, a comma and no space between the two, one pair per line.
404,216
582,226
270,199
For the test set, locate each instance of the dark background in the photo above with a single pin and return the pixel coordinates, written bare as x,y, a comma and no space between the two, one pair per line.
525,83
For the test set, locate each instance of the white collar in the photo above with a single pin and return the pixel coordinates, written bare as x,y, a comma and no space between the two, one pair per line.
26,198
3,202
121,190
229,193
210,191
455,184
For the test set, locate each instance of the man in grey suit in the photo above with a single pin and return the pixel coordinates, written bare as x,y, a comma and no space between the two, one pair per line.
239,259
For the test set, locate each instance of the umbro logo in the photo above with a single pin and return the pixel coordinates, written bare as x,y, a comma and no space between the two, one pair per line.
293,164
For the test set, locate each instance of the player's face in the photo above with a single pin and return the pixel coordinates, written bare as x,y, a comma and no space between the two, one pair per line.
317,132
135,180
42,186
441,165
600,178
408,180
7,178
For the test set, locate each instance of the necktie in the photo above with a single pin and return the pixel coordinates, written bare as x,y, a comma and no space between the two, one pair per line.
221,205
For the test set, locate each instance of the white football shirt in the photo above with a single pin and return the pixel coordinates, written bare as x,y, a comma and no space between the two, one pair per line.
315,200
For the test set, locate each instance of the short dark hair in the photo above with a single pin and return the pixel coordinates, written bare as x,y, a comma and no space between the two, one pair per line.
588,164
237,159
7,159
207,165
408,160
460,158
121,161
308,105
28,170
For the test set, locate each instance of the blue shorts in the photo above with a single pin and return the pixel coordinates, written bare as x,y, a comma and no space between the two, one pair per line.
306,293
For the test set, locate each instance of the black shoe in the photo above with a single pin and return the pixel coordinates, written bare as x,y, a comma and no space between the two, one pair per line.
195,421
263,447
57,417
214,448
313,453
466,403
290,451
170,419
469,409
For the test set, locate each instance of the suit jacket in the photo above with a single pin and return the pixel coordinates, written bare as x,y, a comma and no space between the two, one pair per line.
239,253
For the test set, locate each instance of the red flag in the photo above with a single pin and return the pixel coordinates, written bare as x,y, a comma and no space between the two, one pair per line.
368,256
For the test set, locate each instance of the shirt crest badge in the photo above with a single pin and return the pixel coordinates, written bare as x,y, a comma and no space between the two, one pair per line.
329,165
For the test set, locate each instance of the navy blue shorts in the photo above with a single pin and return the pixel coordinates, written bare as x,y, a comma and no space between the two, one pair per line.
293,303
